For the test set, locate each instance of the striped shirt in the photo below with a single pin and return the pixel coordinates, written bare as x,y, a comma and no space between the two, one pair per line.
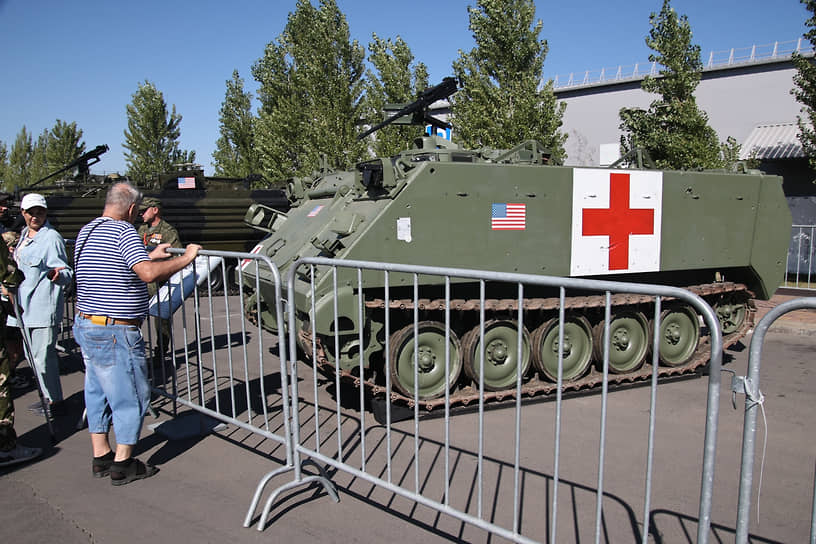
106,251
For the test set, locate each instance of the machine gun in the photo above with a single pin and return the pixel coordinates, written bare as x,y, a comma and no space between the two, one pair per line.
418,110
81,163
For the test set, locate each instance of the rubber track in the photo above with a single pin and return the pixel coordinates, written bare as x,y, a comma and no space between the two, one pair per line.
535,386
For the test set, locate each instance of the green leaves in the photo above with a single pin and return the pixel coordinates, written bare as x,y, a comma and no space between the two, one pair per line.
674,131
805,90
151,139
235,154
29,162
501,102
311,83
396,79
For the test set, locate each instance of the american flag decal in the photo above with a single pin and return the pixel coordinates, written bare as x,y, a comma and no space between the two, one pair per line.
186,183
508,217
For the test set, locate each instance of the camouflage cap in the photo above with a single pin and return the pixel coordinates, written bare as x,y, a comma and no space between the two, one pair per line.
149,202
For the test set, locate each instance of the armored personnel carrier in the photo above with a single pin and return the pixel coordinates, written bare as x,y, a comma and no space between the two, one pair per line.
205,210
723,236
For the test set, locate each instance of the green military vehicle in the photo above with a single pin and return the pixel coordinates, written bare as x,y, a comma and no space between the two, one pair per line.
723,236
205,210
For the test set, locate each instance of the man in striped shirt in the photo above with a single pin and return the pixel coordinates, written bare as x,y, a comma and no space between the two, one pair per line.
112,269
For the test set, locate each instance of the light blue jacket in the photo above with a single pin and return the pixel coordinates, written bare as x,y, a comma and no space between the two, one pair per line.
40,299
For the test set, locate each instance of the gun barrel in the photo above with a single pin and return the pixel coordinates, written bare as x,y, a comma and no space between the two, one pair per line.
426,98
83,161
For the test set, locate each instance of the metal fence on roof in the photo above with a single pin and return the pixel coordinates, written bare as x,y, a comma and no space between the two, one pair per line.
775,51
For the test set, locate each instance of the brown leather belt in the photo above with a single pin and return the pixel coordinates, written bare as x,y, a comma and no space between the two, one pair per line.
105,320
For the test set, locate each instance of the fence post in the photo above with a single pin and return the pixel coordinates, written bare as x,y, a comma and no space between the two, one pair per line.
752,402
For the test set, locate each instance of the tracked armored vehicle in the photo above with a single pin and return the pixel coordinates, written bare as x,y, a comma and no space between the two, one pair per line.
723,236
205,210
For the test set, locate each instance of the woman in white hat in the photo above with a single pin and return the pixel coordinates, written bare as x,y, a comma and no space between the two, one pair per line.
41,257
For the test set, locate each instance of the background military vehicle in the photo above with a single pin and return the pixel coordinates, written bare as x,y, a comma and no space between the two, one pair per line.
204,210
721,235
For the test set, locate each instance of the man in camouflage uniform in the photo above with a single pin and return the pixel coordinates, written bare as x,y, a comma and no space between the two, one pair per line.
155,231
11,452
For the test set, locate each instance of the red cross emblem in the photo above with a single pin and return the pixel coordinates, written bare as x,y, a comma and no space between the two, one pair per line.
619,221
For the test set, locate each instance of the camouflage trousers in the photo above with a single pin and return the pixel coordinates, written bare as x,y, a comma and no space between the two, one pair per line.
163,339
8,438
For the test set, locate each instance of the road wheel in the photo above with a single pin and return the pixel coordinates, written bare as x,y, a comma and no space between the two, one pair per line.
576,351
429,347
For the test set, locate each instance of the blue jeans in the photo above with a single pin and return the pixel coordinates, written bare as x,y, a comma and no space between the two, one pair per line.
116,386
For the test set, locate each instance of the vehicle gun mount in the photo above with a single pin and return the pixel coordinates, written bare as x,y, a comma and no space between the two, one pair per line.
82,165
418,110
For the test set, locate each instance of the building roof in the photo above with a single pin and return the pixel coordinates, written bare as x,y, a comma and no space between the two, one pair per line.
777,141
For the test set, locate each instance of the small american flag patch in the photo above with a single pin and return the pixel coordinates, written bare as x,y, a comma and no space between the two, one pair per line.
186,183
508,217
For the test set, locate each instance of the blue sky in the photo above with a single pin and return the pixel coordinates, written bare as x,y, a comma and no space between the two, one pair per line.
82,61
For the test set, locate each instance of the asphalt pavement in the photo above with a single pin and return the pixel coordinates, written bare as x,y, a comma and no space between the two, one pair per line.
206,481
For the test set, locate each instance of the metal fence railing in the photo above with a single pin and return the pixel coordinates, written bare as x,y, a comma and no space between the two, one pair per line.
215,363
510,476
483,471
714,60
749,386
800,272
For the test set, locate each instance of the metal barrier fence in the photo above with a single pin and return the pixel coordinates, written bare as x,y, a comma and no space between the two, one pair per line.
214,371
441,471
799,271
749,386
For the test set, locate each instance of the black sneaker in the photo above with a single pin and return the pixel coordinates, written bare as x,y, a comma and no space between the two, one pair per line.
18,454
19,382
129,470
100,466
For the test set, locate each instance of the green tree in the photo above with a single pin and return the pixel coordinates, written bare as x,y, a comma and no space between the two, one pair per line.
55,148
39,158
152,136
501,101
235,154
29,161
805,90
19,166
3,165
673,130
64,144
310,91
394,81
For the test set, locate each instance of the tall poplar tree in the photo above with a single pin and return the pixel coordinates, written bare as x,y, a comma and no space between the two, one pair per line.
235,154
310,91
674,131
152,136
19,168
39,158
502,100
64,144
3,165
396,79
805,90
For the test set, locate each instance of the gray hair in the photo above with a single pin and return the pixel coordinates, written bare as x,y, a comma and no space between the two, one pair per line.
122,195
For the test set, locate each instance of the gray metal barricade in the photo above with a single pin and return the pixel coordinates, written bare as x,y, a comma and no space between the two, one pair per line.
216,365
799,270
430,482
749,386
